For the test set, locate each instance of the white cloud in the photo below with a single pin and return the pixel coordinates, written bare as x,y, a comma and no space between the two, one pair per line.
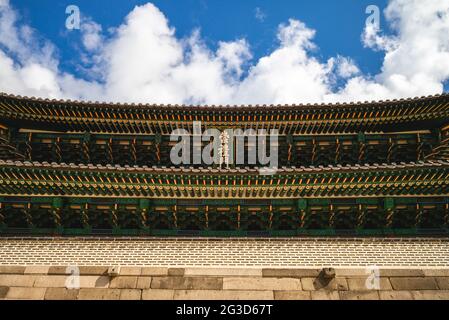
288,74
417,57
27,64
144,61
234,55
91,35
345,67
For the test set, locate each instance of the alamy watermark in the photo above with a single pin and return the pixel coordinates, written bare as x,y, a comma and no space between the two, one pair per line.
373,280
226,148
74,17
73,280
373,19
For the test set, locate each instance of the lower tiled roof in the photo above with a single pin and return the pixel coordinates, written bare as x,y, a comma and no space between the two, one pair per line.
423,178
225,171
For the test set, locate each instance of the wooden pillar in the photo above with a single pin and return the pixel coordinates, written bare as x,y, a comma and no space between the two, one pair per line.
158,141
390,150
271,216
110,151
133,151
114,216
337,151
361,216
175,217
419,148
446,215
362,147
2,216
28,147
331,216
85,146
57,149
144,205
206,213
57,206
314,151
389,210
85,216
28,217
301,206
419,215
238,217
290,144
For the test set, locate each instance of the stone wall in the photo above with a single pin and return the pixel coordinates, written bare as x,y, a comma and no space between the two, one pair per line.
160,283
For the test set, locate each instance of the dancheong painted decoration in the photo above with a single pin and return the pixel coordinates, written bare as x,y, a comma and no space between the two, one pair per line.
69,167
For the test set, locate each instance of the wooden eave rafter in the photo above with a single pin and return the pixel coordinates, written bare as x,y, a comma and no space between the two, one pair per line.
104,117
423,179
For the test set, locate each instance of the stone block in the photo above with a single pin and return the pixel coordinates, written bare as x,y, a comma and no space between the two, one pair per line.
395,295
93,271
59,281
359,284
292,295
221,272
189,283
324,295
311,284
143,283
359,295
154,271
55,281
124,282
443,283
431,295
157,294
13,280
401,272
416,283
130,294
94,281
22,293
99,294
177,272
247,283
130,271
37,270
351,272
61,294
291,273
3,292
12,270
58,270
436,272
223,295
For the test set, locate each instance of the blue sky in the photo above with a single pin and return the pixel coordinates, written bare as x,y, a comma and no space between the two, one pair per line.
256,52
339,24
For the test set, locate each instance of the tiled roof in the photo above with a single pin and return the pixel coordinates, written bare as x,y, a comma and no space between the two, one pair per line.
65,115
69,102
224,171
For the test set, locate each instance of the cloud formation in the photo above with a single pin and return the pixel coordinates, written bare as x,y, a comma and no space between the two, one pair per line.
416,57
142,60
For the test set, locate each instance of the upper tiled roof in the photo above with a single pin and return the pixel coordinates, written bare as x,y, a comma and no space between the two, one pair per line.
65,115
102,104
